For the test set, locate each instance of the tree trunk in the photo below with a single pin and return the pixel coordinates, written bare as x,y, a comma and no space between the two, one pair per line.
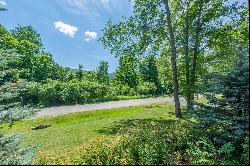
187,60
194,66
196,52
173,59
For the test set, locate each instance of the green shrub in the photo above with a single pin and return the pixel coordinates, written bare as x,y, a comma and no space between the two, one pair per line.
245,154
201,151
147,88
56,92
117,88
138,142
134,147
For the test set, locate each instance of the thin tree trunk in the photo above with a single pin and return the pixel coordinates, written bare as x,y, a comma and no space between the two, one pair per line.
194,66
187,60
196,52
173,59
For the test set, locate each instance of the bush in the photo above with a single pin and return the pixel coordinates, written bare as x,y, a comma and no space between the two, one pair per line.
201,151
147,88
245,154
117,88
56,92
156,142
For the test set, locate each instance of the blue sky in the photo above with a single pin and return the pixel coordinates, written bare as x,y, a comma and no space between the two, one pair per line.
69,28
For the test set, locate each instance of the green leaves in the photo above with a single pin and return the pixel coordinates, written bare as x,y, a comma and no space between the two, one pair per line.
57,92
11,154
102,72
27,33
126,72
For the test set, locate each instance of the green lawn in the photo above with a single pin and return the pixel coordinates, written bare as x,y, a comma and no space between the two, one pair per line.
200,100
70,131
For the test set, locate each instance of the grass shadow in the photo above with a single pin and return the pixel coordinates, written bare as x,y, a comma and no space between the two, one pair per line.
124,125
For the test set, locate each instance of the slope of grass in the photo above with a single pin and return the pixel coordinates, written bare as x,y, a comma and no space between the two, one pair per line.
70,131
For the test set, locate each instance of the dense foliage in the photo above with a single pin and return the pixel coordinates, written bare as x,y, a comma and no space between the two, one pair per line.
56,92
11,110
226,119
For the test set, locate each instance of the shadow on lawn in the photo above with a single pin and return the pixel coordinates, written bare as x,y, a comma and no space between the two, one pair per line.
124,126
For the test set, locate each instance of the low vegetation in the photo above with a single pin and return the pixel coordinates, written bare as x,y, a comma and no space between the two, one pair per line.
147,134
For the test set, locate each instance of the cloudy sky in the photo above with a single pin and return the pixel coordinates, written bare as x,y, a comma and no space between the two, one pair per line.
69,28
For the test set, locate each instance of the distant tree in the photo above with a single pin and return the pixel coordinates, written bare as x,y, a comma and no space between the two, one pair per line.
126,72
102,72
80,72
59,72
27,33
43,67
2,9
148,71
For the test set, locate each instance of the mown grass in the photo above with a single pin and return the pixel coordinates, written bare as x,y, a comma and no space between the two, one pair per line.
70,131
200,99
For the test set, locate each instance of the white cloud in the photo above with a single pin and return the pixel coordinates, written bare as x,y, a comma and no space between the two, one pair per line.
90,35
3,3
67,29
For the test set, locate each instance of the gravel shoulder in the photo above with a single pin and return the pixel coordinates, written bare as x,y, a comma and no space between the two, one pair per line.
60,110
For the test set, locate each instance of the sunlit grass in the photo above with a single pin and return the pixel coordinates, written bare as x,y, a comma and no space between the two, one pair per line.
200,99
70,131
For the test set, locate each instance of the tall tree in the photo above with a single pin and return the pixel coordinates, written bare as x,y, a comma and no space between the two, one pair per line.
142,34
26,41
173,59
200,26
27,33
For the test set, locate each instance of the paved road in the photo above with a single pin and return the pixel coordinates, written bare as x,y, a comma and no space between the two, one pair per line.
59,110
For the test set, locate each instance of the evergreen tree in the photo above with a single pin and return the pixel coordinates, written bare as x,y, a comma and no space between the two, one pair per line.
226,118
11,110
